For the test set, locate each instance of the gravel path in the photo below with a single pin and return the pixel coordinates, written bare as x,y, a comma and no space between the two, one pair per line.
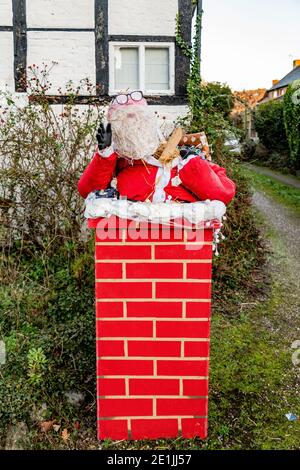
286,179
285,264
284,221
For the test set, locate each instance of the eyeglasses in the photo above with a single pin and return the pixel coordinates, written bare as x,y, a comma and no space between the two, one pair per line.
123,98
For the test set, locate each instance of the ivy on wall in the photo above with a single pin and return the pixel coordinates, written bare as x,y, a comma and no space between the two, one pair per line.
210,104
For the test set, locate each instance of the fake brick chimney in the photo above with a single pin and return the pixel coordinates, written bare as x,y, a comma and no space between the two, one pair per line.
153,303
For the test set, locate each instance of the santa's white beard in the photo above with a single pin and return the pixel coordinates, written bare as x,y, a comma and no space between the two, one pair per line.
135,131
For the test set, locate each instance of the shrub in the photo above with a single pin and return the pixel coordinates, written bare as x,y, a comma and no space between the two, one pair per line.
269,125
47,323
47,267
210,106
292,122
43,151
248,150
242,254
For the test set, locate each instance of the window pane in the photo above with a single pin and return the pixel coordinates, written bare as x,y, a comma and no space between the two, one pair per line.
157,68
126,68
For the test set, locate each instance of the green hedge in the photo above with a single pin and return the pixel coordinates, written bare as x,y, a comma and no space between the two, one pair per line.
269,125
292,122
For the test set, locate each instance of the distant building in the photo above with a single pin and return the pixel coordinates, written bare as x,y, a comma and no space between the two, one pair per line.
248,100
245,104
277,91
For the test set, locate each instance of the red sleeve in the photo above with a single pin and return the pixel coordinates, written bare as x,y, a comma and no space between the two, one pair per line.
98,174
207,180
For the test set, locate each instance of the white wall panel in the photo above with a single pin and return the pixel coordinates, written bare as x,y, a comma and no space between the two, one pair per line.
143,17
74,52
167,115
6,12
6,62
60,13
20,99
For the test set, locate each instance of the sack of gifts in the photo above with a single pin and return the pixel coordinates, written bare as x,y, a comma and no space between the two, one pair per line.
198,140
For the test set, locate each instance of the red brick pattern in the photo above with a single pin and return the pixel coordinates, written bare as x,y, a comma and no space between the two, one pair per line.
153,293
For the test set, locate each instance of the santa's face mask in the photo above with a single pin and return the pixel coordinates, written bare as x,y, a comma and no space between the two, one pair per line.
135,129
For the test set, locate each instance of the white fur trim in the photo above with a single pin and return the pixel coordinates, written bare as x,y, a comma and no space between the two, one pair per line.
182,163
176,181
163,177
155,162
114,183
107,152
195,212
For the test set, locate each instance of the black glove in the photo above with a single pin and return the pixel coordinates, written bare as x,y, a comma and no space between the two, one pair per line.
185,152
104,136
109,193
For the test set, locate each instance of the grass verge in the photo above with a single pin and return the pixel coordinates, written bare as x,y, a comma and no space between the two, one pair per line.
280,192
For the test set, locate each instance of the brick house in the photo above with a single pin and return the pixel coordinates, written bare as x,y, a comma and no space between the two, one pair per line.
279,87
116,44
247,101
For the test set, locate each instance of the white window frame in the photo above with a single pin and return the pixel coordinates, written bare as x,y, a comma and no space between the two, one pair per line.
141,49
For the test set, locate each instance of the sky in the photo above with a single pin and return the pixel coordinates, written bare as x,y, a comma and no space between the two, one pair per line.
248,43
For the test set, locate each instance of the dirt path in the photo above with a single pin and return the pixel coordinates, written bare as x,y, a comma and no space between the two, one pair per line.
283,227
286,179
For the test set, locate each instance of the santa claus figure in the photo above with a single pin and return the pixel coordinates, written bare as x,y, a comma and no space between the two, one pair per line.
130,151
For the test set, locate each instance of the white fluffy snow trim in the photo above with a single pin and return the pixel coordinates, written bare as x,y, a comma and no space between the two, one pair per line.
107,152
163,212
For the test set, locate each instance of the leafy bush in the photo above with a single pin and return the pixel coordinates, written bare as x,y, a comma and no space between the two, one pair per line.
269,125
47,323
47,267
242,254
292,122
248,149
43,151
275,160
210,106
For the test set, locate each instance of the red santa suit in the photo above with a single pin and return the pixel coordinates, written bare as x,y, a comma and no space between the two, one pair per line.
190,180
140,176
